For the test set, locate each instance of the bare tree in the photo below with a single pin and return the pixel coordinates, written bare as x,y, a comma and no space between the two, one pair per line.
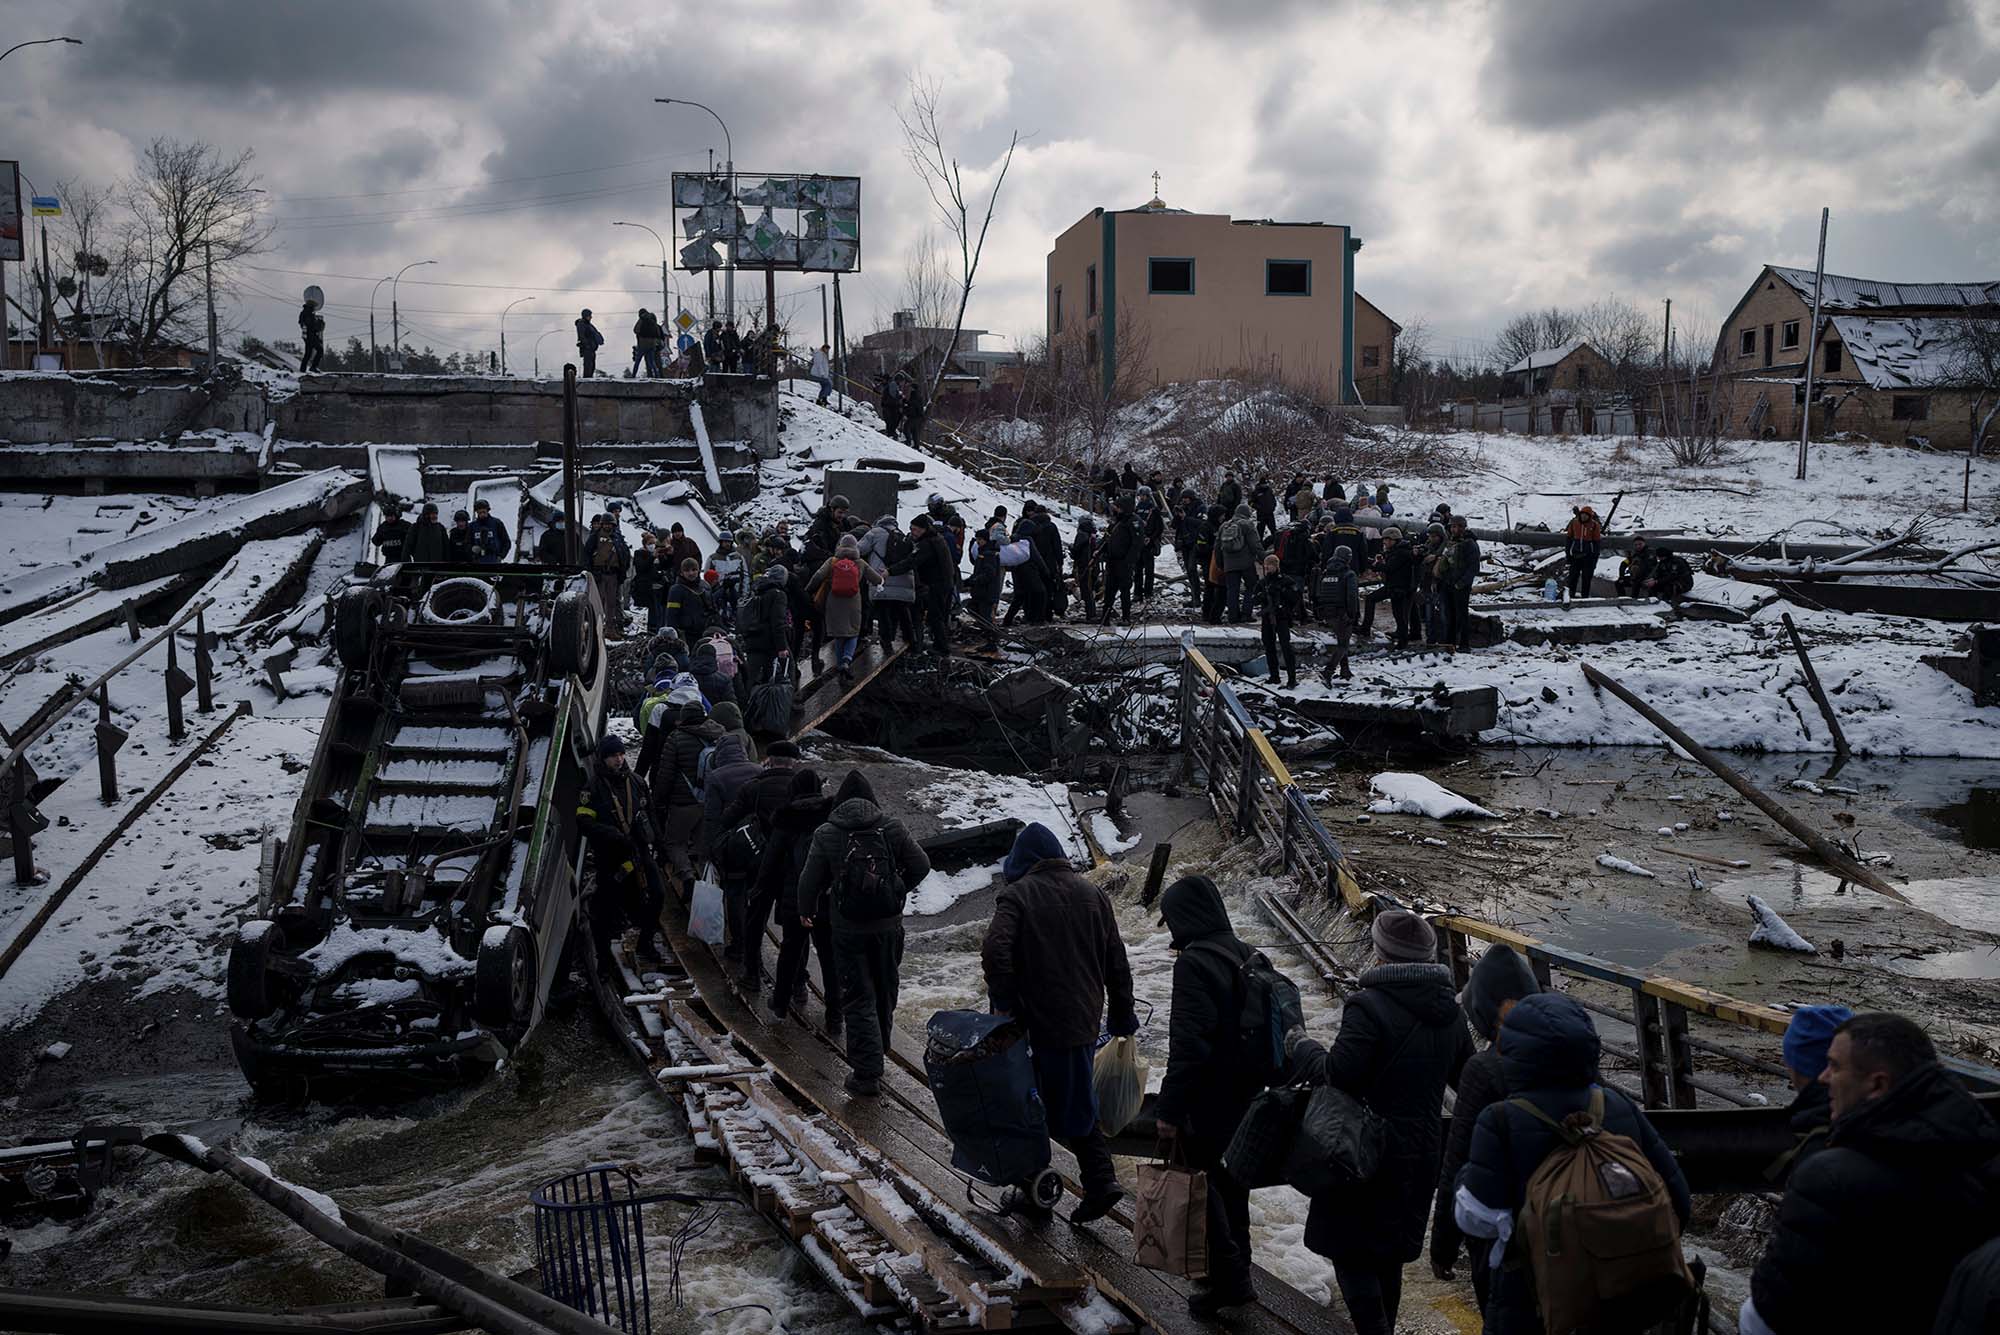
1074,403
186,204
1970,363
938,168
1535,331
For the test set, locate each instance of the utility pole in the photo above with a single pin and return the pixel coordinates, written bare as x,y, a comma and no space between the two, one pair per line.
839,347
47,331
208,277
1667,334
711,272
1812,346
825,332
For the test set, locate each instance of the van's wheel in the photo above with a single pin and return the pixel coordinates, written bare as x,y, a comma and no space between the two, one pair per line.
251,987
503,981
573,635
354,620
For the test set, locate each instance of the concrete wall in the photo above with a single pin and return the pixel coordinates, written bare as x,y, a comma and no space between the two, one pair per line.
350,409
488,410
40,408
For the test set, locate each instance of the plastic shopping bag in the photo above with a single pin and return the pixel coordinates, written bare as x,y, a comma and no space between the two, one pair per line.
1118,1078
705,913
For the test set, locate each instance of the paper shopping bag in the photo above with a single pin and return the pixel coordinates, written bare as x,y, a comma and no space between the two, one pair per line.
1170,1231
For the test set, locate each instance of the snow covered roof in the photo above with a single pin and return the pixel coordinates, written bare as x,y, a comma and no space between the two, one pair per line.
1898,351
1841,293
1547,357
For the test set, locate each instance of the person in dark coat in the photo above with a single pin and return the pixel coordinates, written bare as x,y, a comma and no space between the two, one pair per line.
1807,1038
1458,572
1972,1301
1277,600
670,760
1083,564
1548,1056
1672,578
936,569
1230,494
892,406
869,950
490,541
1336,604
1264,501
730,770
1054,960
1121,552
1635,570
613,814
1872,1226
552,548
312,333
1402,1039
1398,564
687,606
1207,1089
802,935
588,341
392,536
459,538
428,540
983,585
1151,522
914,412
757,804
1500,979
732,348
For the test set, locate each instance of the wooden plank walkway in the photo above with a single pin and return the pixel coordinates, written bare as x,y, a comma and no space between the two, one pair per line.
876,666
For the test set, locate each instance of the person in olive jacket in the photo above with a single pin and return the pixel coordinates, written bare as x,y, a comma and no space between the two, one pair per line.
1402,1039
1054,960
1208,1088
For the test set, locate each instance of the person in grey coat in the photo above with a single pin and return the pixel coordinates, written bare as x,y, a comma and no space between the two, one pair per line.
1240,548
896,597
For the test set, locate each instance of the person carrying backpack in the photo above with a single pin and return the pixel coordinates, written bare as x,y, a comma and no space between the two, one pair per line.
612,815
1239,547
670,762
743,840
896,600
730,770
1053,960
1585,538
1212,1075
1119,553
765,624
859,870
1548,1057
842,576
802,935
1402,1039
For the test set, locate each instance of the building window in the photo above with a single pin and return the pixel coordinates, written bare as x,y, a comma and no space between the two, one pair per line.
1288,278
1910,408
1090,292
1090,348
1371,357
1058,312
1746,343
1582,376
1832,357
1791,333
1170,277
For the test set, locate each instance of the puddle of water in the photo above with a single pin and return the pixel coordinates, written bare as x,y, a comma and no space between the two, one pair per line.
1962,901
1632,938
1976,820
1973,962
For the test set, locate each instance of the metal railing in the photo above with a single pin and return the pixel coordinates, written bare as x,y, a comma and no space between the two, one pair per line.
17,776
1253,793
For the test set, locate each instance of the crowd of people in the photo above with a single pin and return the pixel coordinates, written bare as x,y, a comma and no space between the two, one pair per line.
657,352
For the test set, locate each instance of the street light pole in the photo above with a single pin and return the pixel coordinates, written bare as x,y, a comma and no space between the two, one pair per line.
503,330
666,303
374,353
396,315
538,349
39,41
729,168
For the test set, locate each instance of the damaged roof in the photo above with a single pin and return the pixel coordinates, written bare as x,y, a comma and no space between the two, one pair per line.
1899,351
1841,293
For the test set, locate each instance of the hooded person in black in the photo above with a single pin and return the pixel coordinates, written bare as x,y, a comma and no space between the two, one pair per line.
805,809
869,949
1500,979
1053,959
1207,1087
1402,1039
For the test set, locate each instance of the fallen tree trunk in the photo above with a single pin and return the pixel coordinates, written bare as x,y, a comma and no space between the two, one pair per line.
1811,567
1622,542
1825,849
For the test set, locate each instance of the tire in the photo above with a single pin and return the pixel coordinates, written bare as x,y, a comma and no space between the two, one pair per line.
463,601
504,979
573,635
354,618
1046,1189
250,989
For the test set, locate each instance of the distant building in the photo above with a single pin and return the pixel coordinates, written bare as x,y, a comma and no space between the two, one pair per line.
1881,361
1374,351
915,349
1208,295
1574,370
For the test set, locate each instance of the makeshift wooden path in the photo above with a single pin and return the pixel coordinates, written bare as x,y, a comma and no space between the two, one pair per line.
866,1187
877,664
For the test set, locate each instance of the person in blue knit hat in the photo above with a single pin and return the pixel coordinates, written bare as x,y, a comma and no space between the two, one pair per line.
1807,1039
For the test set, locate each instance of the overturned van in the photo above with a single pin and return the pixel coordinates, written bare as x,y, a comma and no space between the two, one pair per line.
413,919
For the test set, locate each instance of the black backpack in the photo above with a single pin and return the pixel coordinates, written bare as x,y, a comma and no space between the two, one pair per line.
740,849
1270,1007
869,885
897,548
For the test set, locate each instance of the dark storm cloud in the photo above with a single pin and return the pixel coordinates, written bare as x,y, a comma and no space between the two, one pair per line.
301,49
1555,63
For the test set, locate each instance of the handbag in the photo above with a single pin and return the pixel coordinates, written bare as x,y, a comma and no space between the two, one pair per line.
1339,1143
1261,1146
1170,1223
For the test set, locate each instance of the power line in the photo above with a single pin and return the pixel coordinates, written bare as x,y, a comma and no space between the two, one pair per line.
333,221
433,282
501,180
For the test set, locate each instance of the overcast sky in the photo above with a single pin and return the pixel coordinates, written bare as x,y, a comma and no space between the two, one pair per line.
1492,156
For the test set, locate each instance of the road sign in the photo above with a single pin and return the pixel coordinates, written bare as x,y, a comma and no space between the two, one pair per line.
46,206
684,321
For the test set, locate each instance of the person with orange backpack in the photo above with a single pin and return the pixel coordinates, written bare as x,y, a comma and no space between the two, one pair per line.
1586,540
840,578
1571,1186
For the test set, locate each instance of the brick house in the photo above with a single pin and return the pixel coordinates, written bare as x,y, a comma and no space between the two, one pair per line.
1879,361
1214,296
1374,351
1567,373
